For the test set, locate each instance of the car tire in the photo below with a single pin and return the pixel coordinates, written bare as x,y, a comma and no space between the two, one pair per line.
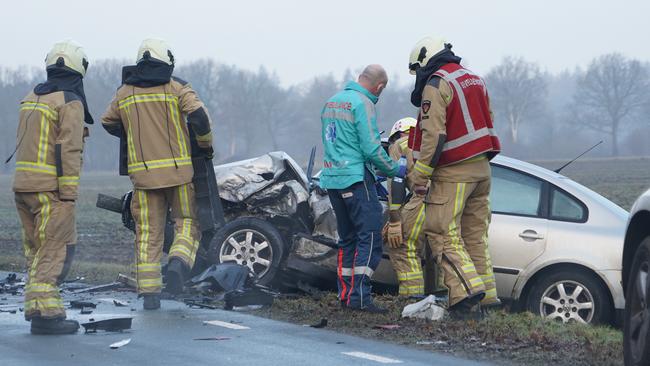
262,253
554,297
636,329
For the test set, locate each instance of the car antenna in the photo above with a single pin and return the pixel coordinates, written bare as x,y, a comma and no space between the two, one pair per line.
310,167
577,157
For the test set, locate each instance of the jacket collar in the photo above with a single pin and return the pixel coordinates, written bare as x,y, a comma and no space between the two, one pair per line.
353,85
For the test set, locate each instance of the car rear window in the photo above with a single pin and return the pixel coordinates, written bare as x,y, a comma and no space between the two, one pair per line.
566,208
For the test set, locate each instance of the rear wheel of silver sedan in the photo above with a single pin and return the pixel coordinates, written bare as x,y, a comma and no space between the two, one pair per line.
570,296
636,330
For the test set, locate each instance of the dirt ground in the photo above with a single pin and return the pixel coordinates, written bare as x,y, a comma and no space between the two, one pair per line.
105,248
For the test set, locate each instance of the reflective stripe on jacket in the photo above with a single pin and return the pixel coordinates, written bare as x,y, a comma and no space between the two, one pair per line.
49,144
351,139
154,122
469,124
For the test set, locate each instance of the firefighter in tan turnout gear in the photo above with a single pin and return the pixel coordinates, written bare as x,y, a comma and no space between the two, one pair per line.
406,216
149,110
453,142
48,163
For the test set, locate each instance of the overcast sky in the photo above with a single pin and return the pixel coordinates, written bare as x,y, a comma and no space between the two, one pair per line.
302,39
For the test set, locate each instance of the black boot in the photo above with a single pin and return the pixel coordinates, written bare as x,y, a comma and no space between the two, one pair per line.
151,301
465,309
54,326
176,273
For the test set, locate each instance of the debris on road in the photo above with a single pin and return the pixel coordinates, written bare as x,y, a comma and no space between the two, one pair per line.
121,343
251,296
99,288
387,326
220,323
80,304
224,277
424,309
237,284
127,281
212,339
12,284
200,303
321,324
116,324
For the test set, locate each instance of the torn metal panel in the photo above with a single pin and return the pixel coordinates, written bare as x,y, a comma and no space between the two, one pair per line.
239,180
279,199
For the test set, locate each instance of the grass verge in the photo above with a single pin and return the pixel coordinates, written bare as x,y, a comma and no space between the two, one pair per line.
502,338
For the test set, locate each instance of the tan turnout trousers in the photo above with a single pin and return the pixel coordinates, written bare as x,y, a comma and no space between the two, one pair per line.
49,236
405,259
149,208
457,222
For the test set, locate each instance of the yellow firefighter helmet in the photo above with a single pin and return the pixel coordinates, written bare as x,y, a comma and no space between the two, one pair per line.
423,51
157,49
68,53
402,125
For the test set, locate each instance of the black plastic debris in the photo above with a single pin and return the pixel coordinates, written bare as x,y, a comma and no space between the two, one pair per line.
321,324
225,277
11,284
80,304
109,325
257,295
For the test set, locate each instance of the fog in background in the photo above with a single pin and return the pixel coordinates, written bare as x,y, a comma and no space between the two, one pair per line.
561,75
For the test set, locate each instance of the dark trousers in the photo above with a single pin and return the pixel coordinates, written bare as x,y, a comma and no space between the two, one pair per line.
359,220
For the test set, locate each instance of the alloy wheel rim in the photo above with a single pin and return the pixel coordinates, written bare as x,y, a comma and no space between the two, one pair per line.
567,301
248,248
639,313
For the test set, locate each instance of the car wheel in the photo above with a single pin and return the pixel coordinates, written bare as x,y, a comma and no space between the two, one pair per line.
636,331
570,296
251,242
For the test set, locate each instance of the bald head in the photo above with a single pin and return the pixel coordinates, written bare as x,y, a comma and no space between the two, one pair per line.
374,79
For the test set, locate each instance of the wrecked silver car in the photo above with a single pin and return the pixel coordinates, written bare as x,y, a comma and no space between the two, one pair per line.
270,219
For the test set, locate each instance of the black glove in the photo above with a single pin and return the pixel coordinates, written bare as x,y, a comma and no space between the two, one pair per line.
207,152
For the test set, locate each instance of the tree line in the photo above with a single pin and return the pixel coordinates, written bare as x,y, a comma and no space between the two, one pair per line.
538,115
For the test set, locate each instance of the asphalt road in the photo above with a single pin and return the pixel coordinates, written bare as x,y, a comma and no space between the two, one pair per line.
167,337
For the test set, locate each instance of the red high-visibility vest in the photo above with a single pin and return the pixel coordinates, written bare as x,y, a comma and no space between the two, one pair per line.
470,131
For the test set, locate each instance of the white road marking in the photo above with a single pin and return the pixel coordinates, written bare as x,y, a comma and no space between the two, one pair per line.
371,357
225,325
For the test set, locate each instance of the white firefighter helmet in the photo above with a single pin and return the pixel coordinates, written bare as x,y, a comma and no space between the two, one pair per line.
70,53
423,51
157,49
402,125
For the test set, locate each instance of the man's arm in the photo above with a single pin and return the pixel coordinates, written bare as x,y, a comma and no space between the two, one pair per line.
436,96
366,124
111,120
68,148
197,116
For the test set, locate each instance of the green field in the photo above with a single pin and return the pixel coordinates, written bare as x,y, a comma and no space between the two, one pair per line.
102,238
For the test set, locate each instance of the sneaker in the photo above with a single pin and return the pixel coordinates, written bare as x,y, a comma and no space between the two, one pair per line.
372,309
151,301
53,326
176,274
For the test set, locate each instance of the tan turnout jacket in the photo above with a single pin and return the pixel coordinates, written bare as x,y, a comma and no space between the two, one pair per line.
159,151
49,144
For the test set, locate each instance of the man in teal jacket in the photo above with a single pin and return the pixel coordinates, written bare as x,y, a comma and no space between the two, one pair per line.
352,151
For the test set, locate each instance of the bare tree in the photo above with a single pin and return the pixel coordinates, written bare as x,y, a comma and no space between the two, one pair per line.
518,91
610,93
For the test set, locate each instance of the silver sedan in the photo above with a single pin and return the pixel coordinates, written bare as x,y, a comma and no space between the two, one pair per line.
556,245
